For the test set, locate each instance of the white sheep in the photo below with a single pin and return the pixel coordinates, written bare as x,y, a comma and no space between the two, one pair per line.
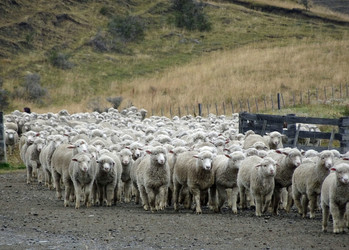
61,159
32,161
11,139
226,168
125,156
335,197
193,170
108,178
153,179
272,140
82,174
256,175
307,180
288,160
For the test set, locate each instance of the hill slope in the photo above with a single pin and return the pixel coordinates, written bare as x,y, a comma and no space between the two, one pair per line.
33,36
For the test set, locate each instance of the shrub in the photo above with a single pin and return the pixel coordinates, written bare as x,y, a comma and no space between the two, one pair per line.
60,60
103,42
190,15
95,105
127,29
116,101
4,95
32,88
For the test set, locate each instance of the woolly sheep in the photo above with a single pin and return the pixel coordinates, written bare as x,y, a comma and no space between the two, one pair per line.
226,168
256,175
61,159
108,178
193,170
125,156
82,173
32,161
307,180
153,179
335,197
287,161
11,139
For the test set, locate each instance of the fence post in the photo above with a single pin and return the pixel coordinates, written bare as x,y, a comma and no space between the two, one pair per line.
223,108
279,105
2,140
216,109
162,111
171,112
152,112
208,109
325,94
343,125
186,107
200,109
272,103
194,113
232,107
240,105
179,111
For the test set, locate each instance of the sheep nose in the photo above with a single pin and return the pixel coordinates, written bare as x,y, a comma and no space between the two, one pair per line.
85,169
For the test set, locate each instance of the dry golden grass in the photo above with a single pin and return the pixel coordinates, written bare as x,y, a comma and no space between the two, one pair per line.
243,73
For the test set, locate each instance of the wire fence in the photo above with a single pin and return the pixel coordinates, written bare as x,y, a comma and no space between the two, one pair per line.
258,104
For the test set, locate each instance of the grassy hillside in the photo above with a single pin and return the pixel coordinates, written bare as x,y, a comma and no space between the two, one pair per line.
254,48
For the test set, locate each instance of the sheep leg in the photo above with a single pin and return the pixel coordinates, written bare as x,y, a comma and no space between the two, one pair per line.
68,188
338,217
289,199
136,193
109,191
127,188
267,201
297,200
29,174
242,191
144,198
325,216
305,203
57,181
234,198
88,193
258,200
312,200
77,189
196,193
176,189
222,196
151,198
213,199
276,200
230,194
163,197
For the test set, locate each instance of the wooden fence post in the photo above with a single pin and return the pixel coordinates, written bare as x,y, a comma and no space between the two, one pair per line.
216,109
200,109
179,111
223,108
232,107
2,140
171,112
343,125
279,101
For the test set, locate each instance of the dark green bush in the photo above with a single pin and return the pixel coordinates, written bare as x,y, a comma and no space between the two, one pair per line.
60,60
190,15
116,101
127,29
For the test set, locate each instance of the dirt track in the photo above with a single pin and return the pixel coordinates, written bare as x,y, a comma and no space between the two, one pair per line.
32,218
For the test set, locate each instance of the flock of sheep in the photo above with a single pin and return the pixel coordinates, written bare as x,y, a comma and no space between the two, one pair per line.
187,162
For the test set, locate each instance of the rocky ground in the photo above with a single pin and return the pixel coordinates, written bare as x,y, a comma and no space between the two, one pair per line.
32,218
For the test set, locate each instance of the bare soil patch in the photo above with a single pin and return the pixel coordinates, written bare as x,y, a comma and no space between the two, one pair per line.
32,218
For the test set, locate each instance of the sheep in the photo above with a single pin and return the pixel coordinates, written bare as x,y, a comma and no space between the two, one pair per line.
136,149
288,160
78,178
272,140
32,161
61,159
26,140
307,180
53,141
193,170
335,197
11,139
153,179
125,156
257,176
226,168
108,178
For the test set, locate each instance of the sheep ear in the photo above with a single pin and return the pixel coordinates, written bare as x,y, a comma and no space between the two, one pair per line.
71,146
196,156
227,156
74,159
171,151
227,142
333,169
127,147
148,152
259,165
225,149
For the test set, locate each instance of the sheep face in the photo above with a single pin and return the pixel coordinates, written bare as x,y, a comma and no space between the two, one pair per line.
342,173
158,155
275,139
80,145
105,164
326,159
125,156
39,144
83,162
204,160
267,166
